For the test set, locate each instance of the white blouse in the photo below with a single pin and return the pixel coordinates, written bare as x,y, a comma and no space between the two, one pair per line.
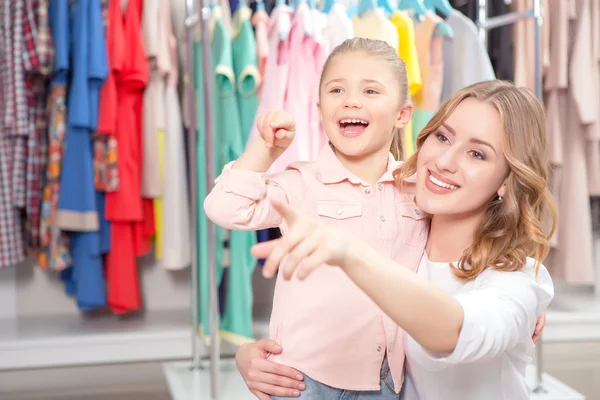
489,362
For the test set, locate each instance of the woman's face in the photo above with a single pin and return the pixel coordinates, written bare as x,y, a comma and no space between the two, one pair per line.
461,167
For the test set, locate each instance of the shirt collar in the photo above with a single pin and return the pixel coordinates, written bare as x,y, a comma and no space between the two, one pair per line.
331,170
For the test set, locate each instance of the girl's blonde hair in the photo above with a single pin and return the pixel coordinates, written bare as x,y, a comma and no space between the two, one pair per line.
385,52
512,228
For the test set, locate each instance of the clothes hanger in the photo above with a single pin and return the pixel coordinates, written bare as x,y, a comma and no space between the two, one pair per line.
386,5
417,6
443,28
366,5
443,6
328,5
260,5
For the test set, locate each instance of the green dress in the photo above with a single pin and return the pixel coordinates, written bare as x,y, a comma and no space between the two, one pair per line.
236,323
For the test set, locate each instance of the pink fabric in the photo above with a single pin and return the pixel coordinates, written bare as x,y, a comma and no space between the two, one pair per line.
302,78
328,328
277,68
260,21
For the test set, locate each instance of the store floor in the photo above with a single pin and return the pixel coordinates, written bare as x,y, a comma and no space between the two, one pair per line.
575,364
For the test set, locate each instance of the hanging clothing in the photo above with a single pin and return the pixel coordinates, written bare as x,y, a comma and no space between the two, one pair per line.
374,24
278,64
247,75
338,27
572,112
11,235
303,77
407,51
261,23
237,321
464,46
431,62
78,206
175,240
125,208
524,45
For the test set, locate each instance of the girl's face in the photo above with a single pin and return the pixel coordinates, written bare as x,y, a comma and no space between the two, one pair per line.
360,104
461,167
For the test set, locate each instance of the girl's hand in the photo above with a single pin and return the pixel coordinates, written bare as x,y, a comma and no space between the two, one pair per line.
277,129
264,377
308,244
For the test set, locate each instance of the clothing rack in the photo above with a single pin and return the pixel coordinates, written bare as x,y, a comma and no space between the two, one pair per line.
192,19
484,25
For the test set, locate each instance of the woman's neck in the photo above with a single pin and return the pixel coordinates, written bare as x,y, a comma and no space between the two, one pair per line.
450,236
369,167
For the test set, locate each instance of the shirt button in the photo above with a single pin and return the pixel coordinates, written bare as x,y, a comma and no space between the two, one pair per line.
368,191
380,186
379,349
339,211
382,218
417,212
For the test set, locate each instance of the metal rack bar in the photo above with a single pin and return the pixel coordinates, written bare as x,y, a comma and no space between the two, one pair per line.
192,19
485,24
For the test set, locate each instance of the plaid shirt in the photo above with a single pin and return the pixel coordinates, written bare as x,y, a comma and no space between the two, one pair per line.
26,60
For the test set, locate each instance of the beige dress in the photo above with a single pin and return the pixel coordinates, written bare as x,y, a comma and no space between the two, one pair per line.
572,113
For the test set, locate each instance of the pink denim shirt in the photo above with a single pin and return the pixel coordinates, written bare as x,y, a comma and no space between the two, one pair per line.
328,328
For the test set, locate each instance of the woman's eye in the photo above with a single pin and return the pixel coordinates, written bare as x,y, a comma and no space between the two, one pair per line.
477,154
441,137
335,90
371,91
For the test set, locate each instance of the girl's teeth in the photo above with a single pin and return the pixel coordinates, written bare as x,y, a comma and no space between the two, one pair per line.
353,121
442,184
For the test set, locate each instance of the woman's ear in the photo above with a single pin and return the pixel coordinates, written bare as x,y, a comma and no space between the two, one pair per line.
502,190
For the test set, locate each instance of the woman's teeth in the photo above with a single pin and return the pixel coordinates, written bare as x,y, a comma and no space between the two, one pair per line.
442,184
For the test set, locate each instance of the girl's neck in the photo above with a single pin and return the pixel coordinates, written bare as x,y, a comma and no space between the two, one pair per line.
369,167
450,236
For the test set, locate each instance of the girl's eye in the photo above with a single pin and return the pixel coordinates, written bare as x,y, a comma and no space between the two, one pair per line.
441,137
335,90
477,154
371,91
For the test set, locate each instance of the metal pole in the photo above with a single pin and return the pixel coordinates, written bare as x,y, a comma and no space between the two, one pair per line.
190,100
538,87
482,15
206,85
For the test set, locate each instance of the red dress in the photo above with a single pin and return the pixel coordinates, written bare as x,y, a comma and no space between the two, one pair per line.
130,215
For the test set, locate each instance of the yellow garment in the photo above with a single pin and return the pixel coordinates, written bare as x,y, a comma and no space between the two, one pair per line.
375,25
408,49
157,202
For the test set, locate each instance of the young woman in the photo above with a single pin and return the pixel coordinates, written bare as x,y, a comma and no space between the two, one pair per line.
481,175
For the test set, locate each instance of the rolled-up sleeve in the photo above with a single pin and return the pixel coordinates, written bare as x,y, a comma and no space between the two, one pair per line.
500,314
241,199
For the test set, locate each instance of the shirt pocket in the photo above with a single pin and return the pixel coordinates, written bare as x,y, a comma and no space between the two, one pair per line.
344,212
414,224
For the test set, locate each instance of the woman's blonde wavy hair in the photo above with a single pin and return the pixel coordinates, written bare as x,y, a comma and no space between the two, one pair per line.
513,228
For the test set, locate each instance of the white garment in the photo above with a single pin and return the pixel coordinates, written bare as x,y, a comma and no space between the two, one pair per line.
465,45
338,28
500,313
176,238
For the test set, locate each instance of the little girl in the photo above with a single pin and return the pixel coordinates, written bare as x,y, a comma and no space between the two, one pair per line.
331,331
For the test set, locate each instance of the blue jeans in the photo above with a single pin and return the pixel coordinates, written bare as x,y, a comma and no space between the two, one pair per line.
318,391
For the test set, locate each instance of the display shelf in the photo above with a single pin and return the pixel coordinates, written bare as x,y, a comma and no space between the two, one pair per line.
42,342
